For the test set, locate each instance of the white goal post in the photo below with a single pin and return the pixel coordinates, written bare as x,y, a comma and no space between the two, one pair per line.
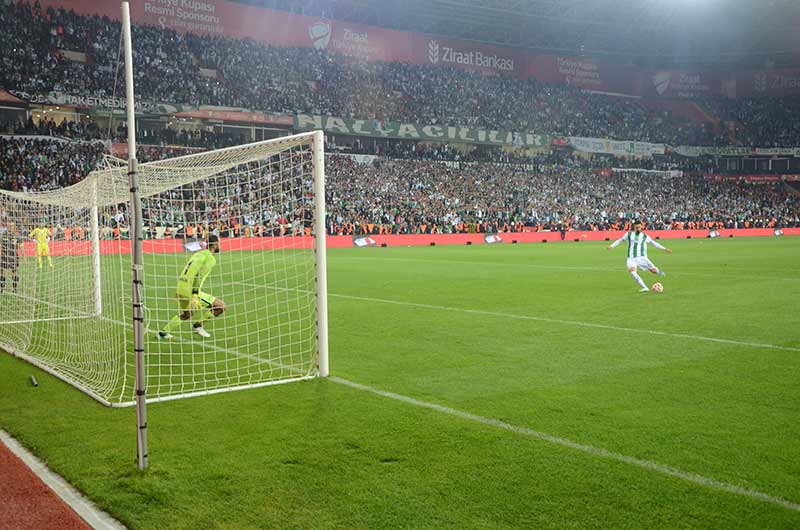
264,201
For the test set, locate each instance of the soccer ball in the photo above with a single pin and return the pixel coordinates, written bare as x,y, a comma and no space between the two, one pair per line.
657,287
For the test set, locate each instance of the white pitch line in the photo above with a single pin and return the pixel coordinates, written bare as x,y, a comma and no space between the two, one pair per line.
584,448
544,319
721,270
571,323
91,514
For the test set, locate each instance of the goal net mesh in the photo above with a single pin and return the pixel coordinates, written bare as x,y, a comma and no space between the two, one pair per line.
67,287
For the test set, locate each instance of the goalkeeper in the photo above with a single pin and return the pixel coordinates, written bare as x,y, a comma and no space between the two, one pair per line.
42,237
191,299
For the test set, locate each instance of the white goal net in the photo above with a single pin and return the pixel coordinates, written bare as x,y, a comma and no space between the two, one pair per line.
233,273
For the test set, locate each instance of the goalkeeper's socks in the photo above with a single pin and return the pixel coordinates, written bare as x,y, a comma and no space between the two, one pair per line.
172,324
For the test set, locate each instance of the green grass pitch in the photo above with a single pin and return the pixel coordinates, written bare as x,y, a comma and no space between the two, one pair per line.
529,386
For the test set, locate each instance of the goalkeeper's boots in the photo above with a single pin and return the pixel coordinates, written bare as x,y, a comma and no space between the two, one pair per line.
201,331
163,335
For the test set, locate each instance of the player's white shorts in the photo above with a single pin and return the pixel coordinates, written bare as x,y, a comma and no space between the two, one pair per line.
643,263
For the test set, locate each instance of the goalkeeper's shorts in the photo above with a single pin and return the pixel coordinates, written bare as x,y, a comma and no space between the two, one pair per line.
184,299
42,249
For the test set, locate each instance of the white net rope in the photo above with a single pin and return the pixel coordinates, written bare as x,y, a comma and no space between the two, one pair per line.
73,318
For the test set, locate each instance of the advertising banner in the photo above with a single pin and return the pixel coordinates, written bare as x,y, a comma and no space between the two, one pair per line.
451,53
238,20
582,72
679,84
410,131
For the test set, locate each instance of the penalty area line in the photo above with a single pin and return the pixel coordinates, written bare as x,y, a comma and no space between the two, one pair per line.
584,448
571,323
514,316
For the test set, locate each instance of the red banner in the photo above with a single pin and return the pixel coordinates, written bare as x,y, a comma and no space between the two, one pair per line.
582,72
280,28
169,246
451,53
240,116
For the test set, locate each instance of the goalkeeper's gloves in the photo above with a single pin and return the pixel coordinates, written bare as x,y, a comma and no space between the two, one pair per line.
194,304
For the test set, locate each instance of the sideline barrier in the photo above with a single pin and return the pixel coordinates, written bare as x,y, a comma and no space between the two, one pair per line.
168,246
538,237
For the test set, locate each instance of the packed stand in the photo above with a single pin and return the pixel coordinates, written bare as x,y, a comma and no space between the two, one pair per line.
39,165
765,122
196,70
424,197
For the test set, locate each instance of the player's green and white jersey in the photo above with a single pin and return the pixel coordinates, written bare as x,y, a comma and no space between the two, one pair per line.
637,244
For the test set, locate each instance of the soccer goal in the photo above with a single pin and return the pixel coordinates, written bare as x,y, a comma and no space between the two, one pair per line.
260,300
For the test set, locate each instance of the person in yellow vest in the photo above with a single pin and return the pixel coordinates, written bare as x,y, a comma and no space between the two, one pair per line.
42,237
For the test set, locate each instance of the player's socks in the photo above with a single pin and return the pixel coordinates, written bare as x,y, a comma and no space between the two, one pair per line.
638,279
172,324
39,258
49,262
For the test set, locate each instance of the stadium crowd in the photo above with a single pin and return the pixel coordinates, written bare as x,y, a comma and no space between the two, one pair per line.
42,164
404,196
195,70
412,195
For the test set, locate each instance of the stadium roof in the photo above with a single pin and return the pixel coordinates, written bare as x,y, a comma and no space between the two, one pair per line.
724,33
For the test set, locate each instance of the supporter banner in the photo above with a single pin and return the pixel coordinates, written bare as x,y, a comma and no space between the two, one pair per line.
409,131
237,115
87,102
358,159
8,97
615,147
750,178
695,151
